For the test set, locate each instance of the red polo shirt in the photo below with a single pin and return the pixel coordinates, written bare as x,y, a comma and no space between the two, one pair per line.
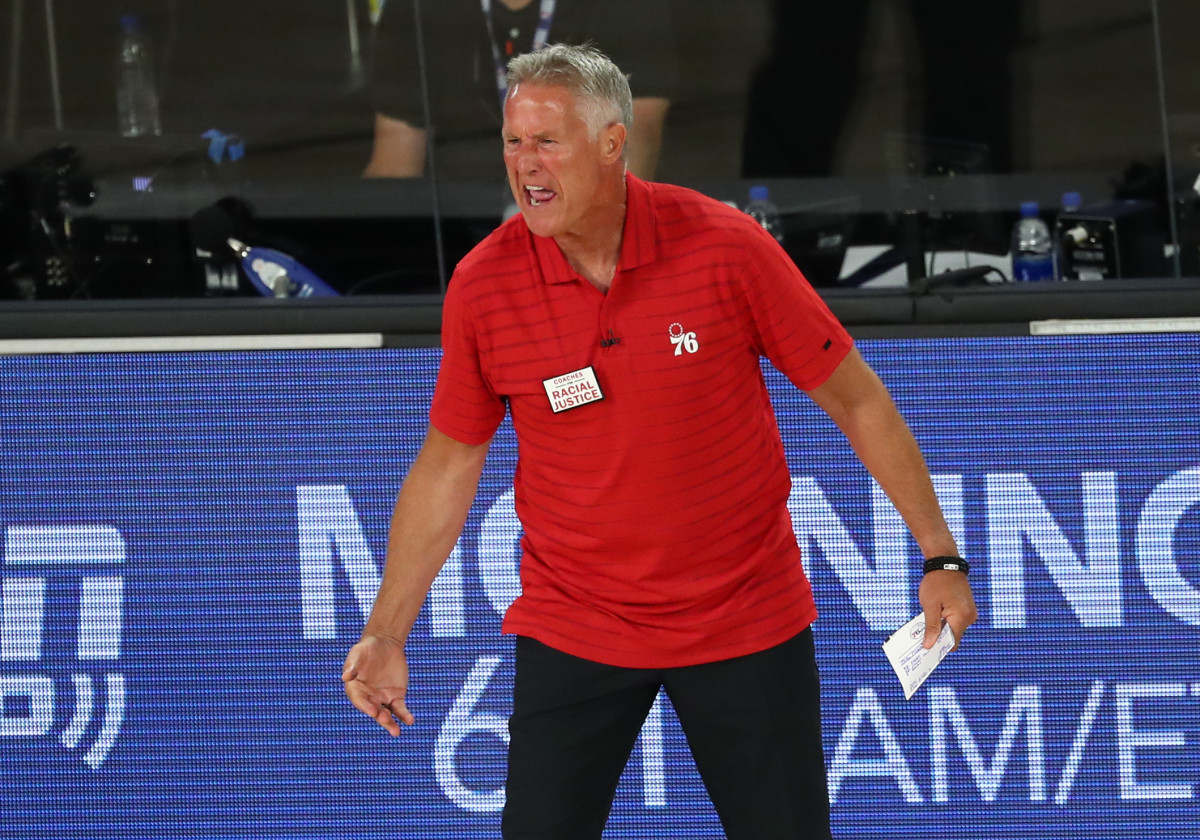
656,529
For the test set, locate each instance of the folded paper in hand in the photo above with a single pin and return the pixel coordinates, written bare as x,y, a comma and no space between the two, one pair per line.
911,662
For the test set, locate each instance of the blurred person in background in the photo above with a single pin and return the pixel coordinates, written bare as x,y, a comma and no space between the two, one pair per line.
804,92
466,45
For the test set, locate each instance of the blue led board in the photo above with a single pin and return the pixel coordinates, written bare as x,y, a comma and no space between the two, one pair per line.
191,540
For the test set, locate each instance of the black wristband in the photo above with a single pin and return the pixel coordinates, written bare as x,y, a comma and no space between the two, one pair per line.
948,562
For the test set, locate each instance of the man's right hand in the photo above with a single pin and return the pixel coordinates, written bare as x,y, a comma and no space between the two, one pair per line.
375,677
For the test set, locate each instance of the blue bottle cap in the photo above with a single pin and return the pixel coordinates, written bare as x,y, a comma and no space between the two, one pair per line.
759,193
130,21
1029,208
1071,199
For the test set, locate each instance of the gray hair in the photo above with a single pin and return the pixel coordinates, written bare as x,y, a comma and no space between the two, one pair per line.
587,73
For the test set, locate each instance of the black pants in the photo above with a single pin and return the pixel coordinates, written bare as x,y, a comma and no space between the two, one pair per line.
753,725
804,94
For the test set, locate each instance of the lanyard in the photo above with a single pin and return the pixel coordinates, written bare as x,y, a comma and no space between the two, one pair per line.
540,36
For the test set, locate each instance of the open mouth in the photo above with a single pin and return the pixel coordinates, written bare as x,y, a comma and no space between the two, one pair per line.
539,195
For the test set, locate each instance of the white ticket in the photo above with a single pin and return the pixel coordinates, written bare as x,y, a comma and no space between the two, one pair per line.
911,662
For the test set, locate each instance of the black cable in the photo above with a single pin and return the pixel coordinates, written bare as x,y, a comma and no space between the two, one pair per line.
431,161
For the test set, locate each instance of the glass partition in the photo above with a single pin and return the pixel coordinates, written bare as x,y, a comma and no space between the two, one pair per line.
358,139
1177,23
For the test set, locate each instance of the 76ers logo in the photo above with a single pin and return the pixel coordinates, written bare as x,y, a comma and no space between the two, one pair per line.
683,341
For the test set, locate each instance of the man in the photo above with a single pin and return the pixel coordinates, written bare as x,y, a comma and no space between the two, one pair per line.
622,323
466,45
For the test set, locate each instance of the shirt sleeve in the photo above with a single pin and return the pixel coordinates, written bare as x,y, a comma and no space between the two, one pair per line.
794,328
465,407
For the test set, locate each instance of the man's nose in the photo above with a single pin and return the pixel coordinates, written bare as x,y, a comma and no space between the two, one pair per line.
527,157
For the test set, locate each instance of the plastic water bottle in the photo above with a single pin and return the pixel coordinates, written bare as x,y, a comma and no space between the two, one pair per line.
1032,248
764,211
137,96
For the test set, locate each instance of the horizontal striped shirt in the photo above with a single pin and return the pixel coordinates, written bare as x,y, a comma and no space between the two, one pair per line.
655,523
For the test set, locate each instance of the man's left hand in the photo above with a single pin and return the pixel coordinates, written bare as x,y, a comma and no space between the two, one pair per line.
946,596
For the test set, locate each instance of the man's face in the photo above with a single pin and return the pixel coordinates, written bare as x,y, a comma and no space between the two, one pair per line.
556,169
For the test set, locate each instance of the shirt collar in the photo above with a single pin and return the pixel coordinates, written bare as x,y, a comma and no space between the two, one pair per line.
637,237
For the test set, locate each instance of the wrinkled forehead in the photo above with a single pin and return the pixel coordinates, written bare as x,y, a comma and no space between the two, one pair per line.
533,105
542,93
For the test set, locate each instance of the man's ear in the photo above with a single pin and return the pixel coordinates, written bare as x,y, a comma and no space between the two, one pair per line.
612,141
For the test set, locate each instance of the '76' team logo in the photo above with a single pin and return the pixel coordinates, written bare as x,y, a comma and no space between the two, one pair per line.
683,341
